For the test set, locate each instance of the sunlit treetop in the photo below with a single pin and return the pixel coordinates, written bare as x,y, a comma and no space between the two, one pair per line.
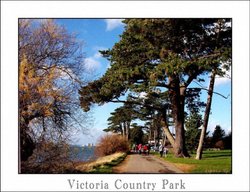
160,53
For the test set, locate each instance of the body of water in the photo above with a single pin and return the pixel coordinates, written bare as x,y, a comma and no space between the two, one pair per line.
80,153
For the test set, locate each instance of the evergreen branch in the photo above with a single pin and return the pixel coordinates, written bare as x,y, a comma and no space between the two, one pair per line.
204,88
208,56
135,103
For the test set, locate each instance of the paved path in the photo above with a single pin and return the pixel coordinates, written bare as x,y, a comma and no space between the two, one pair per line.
136,163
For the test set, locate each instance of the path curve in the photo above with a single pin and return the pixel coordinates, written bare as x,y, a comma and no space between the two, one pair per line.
136,163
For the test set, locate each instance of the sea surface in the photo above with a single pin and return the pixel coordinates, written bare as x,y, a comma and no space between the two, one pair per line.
82,153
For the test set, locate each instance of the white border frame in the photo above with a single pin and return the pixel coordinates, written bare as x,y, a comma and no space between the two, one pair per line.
12,10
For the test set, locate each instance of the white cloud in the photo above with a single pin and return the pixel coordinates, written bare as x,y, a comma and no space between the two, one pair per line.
223,80
97,55
91,64
113,23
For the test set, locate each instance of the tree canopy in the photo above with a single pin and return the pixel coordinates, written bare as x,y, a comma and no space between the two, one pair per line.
51,70
162,57
120,120
218,134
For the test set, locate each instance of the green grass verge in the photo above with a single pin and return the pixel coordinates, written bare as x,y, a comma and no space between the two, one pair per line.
107,167
211,162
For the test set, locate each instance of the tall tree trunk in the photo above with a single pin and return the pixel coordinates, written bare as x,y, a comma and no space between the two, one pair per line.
206,116
124,130
128,130
179,147
150,135
154,138
177,96
166,130
27,143
121,129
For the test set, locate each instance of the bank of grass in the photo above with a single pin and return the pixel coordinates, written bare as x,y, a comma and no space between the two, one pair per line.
211,162
102,164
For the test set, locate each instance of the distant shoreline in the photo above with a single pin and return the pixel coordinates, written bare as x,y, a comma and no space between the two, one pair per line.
82,153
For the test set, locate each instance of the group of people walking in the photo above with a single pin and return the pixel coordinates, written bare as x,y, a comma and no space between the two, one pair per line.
142,149
145,149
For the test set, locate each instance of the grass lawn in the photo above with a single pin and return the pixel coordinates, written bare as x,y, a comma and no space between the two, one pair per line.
107,167
211,162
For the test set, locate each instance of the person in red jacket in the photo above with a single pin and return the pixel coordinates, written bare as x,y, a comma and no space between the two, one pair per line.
145,149
140,148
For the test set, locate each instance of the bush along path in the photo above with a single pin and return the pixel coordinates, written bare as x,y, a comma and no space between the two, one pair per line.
103,164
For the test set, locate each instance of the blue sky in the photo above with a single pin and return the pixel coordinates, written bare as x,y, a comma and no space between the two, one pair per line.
100,34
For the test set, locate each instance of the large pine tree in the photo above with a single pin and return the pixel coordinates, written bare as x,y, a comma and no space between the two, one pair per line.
160,54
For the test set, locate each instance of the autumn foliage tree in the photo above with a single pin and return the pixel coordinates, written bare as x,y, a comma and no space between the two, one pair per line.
51,70
35,101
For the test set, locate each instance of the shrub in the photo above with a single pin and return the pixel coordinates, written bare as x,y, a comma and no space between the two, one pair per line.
111,143
49,157
228,141
219,144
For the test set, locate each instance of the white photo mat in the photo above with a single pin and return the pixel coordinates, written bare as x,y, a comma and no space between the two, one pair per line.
11,11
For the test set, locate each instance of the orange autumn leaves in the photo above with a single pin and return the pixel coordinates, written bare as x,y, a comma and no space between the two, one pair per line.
36,91
51,69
